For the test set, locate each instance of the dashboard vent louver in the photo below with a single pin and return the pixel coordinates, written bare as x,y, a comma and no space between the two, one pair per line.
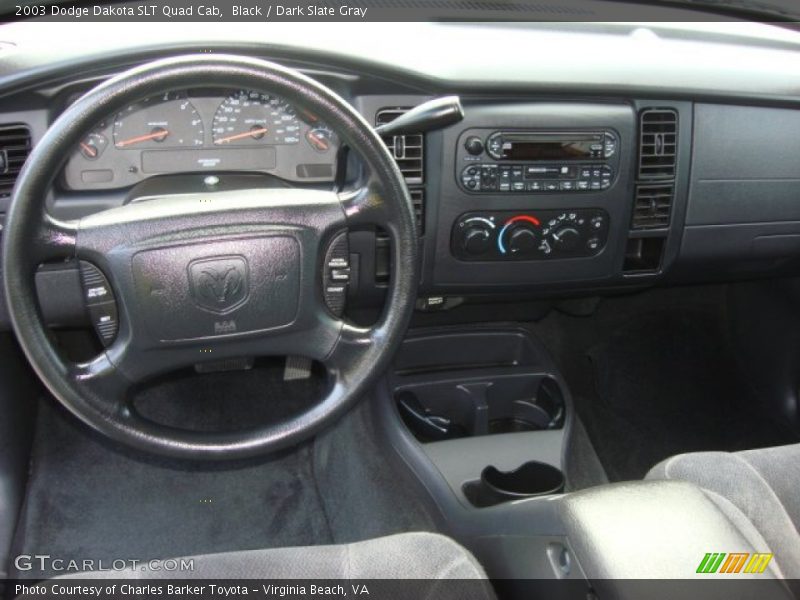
652,206
15,145
658,142
407,150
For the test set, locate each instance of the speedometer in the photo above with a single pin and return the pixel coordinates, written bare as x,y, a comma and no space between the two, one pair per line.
247,118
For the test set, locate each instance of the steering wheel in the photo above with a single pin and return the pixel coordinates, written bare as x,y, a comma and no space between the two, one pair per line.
220,274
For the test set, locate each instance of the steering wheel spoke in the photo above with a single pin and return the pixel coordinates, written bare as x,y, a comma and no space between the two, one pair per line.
54,240
365,206
102,385
351,345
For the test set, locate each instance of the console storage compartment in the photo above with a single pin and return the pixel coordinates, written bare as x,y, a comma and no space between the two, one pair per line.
489,409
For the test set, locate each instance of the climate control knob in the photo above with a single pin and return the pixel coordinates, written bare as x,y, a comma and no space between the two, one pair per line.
476,240
519,235
521,239
566,238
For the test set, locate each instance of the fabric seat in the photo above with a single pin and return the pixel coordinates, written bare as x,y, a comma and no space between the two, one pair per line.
756,489
423,556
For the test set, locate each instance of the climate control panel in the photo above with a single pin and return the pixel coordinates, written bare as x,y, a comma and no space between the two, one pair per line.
536,235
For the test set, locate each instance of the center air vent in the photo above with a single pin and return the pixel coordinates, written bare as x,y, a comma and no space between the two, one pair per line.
15,145
407,150
658,136
655,192
652,206
655,188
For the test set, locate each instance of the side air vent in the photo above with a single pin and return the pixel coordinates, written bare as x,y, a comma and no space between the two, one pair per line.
658,142
407,150
652,206
15,145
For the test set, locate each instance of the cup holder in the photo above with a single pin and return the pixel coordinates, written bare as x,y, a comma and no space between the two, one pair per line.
463,407
531,479
521,415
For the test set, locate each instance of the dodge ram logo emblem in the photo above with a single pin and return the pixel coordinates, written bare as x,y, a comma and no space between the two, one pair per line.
219,284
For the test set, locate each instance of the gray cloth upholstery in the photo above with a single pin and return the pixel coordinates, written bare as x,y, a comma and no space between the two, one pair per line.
403,556
759,486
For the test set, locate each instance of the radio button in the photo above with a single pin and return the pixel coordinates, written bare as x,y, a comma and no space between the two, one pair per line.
567,186
610,146
518,186
473,145
551,186
489,177
583,185
568,172
494,146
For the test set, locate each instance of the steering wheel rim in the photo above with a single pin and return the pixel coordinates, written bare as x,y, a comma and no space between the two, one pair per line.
354,356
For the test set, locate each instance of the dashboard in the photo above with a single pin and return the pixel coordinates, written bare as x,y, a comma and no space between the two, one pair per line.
186,131
601,172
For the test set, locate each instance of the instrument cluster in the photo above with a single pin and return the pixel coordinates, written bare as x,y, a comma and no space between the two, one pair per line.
203,131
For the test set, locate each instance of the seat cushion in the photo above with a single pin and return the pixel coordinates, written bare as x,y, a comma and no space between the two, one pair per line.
424,556
759,485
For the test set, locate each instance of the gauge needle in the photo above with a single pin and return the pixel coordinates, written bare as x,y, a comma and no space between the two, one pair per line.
90,150
161,133
317,141
238,136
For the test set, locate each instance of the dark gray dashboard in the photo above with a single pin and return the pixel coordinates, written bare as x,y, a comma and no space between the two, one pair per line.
727,206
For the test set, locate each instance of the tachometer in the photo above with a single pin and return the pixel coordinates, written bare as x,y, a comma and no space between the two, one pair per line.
164,121
253,118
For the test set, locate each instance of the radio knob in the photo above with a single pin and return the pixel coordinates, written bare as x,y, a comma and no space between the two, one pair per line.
566,238
522,239
474,145
476,240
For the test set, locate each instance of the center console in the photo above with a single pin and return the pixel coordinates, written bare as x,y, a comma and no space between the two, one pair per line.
485,421
538,193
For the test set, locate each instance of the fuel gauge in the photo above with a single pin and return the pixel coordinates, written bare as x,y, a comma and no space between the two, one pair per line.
320,138
92,146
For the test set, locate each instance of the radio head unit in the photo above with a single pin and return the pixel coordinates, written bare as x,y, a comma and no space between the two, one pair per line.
537,160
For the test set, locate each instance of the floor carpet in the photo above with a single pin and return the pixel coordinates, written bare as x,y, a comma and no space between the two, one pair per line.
654,375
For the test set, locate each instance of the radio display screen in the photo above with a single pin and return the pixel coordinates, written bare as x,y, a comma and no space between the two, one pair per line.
550,147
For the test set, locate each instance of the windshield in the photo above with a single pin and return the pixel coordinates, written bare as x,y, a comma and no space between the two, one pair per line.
785,12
